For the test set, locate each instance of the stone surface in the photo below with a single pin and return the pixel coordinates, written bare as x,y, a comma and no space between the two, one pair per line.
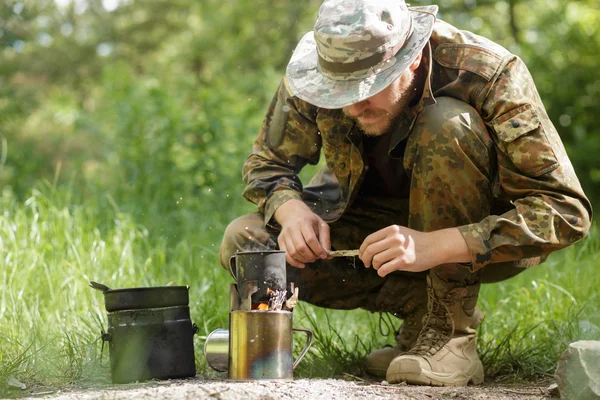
578,371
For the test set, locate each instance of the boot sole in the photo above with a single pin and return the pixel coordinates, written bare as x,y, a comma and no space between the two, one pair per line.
473,376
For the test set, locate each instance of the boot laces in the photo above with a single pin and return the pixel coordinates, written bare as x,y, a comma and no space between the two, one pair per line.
436,332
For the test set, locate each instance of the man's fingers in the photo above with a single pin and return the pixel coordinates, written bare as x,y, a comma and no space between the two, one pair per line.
375,237
383,257
372,250
287,245
305,238
388,267
324,237
301,251
313,249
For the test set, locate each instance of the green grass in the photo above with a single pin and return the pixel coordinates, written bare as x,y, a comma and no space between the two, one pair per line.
54,242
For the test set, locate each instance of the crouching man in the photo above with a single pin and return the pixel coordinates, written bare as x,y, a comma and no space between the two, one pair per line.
442,169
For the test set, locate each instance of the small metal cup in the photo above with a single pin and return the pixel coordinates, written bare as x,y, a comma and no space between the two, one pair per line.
216,349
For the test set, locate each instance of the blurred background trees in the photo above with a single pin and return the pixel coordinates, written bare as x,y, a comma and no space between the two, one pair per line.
157,102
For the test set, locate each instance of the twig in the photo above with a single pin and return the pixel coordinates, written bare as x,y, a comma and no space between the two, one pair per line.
521,392
343,253
43,393
354,377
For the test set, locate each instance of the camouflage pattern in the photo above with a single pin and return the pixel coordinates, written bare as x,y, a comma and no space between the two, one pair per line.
344,282
482,154
341,282
347,31
357,48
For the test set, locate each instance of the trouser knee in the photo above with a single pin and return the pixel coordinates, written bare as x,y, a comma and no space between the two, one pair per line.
246,233
448,158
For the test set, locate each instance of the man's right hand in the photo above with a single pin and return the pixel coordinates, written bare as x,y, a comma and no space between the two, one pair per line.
304,235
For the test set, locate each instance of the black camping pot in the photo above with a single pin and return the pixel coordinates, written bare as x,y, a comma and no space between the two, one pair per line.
143,297
150,333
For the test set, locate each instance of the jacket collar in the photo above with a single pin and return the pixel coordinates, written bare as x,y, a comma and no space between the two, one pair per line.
408,117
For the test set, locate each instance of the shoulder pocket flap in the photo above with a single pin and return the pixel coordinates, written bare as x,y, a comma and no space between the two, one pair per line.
468,57
516,123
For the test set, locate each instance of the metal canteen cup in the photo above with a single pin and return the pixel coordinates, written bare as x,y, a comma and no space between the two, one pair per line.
260,346
216,349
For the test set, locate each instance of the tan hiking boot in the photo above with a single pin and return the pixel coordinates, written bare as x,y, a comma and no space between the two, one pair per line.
378,361
446,351
406,298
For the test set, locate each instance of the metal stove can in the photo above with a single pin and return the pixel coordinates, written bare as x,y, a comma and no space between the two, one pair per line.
261,345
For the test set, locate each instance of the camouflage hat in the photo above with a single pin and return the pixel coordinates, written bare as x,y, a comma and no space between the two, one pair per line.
357,48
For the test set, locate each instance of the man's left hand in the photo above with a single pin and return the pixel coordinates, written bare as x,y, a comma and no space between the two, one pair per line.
397,248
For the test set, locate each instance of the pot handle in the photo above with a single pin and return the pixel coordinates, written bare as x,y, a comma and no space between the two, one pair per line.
309,342
106,337
232,266
99,286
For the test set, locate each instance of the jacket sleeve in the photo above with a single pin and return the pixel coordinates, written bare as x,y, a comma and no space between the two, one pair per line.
535,177
287,141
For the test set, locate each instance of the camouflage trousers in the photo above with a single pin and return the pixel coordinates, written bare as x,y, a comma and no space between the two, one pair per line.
451,154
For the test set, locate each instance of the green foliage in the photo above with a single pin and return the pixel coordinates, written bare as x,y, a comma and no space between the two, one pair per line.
177,89
122,136
51,248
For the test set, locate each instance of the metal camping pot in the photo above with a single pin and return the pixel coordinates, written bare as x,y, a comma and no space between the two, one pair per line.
260,346
149,342
143,297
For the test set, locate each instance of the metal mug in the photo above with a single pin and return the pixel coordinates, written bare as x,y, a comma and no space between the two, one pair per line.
216,349
260,345
265,268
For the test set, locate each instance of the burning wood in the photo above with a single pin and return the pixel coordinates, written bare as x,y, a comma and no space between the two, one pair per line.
277,299
291,302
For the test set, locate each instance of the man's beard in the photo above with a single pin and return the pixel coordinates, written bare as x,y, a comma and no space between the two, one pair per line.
388,119
383,127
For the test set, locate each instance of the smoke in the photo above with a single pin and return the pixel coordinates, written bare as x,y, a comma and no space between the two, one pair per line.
275,277
257,246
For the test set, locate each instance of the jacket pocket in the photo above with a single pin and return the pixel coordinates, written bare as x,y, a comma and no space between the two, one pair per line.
523,140
336,160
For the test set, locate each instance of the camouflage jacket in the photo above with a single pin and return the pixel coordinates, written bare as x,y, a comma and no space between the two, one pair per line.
548,207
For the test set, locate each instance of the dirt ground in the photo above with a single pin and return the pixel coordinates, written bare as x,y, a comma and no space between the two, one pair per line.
330,389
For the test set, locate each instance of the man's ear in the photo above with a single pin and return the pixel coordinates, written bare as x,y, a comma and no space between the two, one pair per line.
415,64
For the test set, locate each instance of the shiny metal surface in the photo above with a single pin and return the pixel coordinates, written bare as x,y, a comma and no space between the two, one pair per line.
261,345
216,349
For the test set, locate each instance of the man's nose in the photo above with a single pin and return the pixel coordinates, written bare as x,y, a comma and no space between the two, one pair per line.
357,108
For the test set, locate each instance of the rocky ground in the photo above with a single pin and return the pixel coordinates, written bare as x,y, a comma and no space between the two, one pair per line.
330,389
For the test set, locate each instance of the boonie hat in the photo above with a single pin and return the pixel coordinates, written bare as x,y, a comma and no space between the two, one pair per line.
357,49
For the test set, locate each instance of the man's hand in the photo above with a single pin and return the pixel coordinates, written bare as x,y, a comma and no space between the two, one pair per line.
397,248
304,235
